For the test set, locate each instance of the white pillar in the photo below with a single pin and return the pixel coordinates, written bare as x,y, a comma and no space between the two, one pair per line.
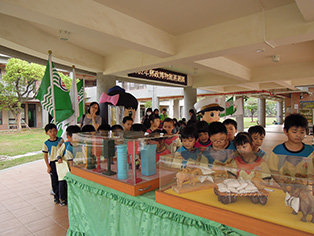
190,98
279,116
155,99
137,117
261,111
240,118
176,109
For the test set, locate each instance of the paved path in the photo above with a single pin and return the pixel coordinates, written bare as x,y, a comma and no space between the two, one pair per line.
4,157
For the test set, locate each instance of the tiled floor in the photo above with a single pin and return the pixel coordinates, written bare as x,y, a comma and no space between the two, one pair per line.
27,208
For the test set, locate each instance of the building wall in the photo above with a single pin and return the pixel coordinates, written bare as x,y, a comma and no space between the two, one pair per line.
302,96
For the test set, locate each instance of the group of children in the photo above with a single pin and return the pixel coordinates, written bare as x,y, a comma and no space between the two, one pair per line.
55,152
210,144
218,144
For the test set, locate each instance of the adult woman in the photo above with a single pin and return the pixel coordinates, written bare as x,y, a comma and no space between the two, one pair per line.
92,117
145,120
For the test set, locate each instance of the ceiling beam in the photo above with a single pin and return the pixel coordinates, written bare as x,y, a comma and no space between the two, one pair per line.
226,67
306,8
115,27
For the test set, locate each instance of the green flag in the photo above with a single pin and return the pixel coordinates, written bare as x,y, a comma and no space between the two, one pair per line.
230,109
80,93
62,101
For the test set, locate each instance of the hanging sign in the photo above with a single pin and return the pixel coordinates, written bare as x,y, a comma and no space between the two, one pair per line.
161,75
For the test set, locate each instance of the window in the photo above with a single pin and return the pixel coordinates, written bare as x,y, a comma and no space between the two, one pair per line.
1,117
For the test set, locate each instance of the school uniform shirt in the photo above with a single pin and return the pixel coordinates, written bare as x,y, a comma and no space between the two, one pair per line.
248,170
193,156
260,153
220,157
51,147
286,162
173,143
62,149
162,153
201,145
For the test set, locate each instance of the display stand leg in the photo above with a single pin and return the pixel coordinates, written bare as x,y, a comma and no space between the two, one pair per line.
98,169
109,171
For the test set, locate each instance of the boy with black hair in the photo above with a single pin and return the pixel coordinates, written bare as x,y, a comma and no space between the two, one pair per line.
65,153
154,123
221,151
160,142
116,128
172,143
127,122
203,140
104,127
293,157
50,148
257,133
247,164
138,127
188,151
232,128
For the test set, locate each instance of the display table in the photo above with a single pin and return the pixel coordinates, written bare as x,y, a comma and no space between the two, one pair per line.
98,210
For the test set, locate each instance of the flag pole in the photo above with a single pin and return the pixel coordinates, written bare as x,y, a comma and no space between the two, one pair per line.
52,88
83,95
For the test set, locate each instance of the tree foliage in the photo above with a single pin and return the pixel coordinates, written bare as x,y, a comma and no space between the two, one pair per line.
19,85
251,106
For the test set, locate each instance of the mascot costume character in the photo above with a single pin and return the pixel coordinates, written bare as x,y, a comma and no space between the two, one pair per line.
209,108
117,104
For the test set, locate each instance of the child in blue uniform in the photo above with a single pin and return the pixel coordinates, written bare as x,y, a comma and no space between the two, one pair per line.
203,141
257,133
247,164
50,148
188,151
293,157
221,151
232,128
65,153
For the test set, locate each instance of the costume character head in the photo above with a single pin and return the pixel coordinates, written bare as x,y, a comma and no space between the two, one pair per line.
209,108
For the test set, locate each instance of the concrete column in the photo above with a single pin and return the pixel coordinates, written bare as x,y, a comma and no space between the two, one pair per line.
170,110
279,116
176,109
240,118
137,117
155,99
190,98
104,83
261,111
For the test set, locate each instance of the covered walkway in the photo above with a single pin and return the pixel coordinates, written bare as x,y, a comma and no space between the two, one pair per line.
27,208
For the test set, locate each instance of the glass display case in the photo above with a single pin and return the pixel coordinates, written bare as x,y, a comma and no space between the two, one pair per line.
251,196
125,161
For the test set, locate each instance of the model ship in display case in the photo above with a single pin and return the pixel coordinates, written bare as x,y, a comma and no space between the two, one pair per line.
223,192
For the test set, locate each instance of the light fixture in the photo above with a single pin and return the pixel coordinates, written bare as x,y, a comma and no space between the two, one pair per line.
275,58
64,35
260,50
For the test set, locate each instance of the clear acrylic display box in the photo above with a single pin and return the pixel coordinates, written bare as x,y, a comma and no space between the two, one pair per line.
247,196
125,161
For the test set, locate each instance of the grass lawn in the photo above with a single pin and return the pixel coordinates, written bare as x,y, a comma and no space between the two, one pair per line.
248,123
19,161
15,143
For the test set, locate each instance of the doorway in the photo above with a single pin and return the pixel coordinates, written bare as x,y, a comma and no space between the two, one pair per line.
32,115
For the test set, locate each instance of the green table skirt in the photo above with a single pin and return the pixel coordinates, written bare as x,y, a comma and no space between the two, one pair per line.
98,210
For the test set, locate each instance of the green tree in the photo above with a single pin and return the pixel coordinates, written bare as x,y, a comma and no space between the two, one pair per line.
270,108
19,85
251,106
148,104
